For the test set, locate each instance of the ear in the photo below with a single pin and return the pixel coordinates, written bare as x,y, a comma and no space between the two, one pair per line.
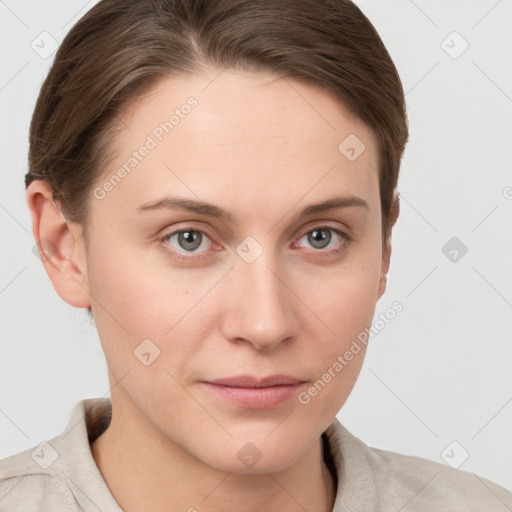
386,253
60,244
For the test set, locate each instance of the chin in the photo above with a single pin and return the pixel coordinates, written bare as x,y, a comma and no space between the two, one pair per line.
242,456
275,463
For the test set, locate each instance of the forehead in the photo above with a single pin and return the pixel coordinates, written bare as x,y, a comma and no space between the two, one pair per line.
254,135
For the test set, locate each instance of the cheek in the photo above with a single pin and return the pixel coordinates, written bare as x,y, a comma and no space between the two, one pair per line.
136,299
345,302
344,297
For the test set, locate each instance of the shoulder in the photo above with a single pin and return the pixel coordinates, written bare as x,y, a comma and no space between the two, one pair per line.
32,480
385,480
420,484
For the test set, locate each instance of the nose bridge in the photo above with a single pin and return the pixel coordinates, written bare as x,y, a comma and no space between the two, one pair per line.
260,309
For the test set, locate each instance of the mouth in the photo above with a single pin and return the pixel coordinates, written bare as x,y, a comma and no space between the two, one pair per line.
256,393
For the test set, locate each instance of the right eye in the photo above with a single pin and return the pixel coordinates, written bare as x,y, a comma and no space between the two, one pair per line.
187,240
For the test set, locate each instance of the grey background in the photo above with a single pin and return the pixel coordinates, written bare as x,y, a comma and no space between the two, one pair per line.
441,370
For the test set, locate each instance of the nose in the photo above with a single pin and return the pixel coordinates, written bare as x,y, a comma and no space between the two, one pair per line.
260,308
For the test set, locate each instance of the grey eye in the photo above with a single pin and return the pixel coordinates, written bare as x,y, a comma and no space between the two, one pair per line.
321,237
188,240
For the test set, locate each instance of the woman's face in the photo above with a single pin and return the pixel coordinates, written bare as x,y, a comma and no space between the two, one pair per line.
183,296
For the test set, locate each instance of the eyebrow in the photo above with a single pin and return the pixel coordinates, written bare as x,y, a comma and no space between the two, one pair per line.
211,210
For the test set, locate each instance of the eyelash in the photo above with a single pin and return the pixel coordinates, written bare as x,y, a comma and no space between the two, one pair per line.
346,240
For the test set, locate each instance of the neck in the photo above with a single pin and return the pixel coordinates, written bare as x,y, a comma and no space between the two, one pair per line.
147,471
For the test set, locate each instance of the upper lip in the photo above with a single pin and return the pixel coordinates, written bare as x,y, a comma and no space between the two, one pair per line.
248,381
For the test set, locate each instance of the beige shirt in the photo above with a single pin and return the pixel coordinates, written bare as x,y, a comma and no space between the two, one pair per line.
62,475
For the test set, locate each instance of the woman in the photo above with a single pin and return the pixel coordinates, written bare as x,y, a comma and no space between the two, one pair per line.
216,183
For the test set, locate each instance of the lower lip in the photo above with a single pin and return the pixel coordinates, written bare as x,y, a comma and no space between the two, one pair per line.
256,398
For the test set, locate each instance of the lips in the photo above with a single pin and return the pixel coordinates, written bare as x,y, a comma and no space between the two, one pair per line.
247,381
255,393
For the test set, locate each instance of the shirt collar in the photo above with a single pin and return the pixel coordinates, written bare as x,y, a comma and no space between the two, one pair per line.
85,480
356,489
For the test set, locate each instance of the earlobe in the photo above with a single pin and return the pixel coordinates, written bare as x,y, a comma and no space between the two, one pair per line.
386,258
386,255
395,210
61,246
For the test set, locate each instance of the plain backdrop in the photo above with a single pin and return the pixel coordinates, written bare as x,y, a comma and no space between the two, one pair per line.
438,378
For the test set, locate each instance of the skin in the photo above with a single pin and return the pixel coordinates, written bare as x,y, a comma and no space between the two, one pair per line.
262,148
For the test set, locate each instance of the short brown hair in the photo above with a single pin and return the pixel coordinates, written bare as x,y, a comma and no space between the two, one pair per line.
120,48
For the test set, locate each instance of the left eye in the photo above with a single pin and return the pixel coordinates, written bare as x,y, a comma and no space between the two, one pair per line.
320,237
189,240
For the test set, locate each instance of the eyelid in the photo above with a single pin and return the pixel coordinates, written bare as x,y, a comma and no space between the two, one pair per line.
167,234
322,225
